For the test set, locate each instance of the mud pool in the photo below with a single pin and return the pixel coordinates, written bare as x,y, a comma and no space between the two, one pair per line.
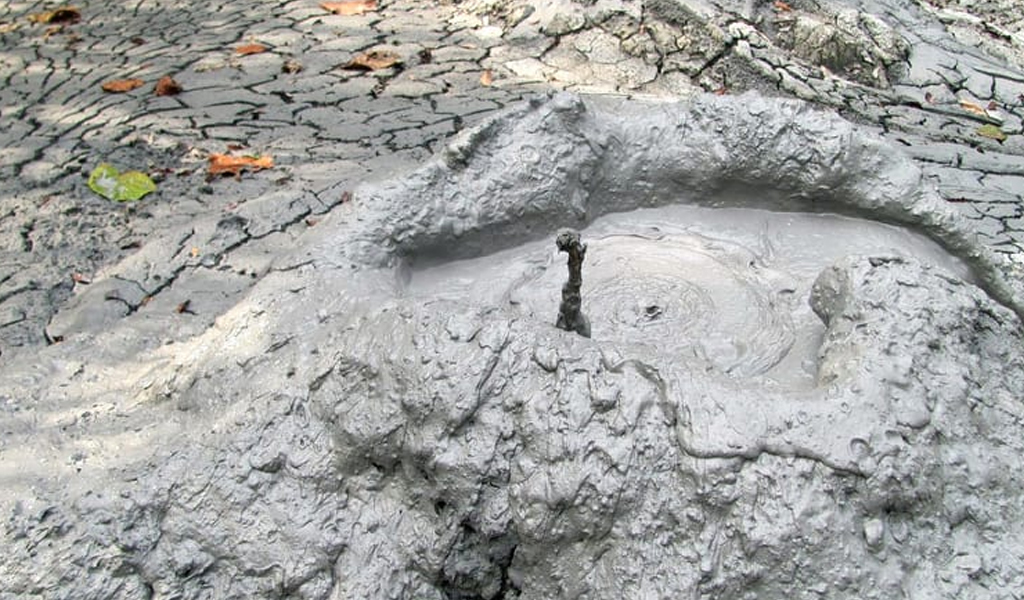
726,289
780,398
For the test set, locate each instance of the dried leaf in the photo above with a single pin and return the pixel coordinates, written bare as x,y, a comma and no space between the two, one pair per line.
64,14
310,221
119,86
929,98
350,7
781,6
194,252
972,107
487,77
221,164
291,66
992,132
248,49
373,60
167,86
184,307
110,183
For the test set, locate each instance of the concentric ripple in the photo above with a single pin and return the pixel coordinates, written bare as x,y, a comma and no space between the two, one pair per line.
688,296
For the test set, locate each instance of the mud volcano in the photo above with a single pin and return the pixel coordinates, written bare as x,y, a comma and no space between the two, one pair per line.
803,380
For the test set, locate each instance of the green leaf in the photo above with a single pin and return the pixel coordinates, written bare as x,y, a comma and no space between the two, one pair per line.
110,183
992,132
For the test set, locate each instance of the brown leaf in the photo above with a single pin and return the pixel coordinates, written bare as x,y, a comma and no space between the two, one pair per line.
64,14
350,7
234,165
310,221
373,60
236,147
248,49
167,86
184,307
929,98
291,66
119,86
781,6
972,107
487,77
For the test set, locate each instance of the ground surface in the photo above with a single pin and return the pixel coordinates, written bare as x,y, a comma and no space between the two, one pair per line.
930,75
126,296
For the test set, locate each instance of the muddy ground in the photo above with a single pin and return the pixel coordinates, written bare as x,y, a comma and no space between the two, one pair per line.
231,388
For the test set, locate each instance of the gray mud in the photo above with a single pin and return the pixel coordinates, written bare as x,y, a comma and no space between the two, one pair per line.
772,404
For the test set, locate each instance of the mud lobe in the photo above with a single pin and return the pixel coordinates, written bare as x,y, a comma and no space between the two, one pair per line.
392,413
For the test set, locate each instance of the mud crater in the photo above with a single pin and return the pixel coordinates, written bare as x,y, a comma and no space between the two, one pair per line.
778,395
725,288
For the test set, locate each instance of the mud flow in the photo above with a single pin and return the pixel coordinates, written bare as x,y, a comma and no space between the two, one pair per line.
775,401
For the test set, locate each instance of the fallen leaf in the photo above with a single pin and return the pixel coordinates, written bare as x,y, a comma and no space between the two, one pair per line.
194,252
184,307
79,278
137,41
972,107
929,98
373,60
64,14
236,147
119,86
487,77
291,66
992,132
992,105
781,6
221,164
248,49
110,183
167,86
350,7
426,56
310,221
52,30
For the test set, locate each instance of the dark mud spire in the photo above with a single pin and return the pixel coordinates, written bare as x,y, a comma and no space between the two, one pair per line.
570,317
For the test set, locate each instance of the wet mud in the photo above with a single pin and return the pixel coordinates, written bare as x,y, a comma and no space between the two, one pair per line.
779,398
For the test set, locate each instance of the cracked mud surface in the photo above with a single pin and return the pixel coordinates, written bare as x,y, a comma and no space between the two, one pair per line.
164,423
